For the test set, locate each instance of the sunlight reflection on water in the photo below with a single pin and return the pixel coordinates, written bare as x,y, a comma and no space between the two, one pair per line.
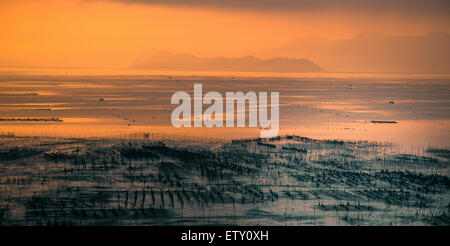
322,106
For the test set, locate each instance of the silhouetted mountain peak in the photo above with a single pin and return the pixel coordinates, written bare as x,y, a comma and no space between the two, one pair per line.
374,52
164,60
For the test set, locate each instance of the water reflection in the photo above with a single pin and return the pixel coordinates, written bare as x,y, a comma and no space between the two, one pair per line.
326,106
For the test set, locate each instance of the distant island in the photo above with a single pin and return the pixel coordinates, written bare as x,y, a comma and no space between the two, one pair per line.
185,62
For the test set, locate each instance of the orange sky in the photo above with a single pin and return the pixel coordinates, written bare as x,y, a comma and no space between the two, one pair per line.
112,34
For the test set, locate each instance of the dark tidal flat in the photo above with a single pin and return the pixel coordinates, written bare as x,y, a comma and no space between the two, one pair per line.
288,180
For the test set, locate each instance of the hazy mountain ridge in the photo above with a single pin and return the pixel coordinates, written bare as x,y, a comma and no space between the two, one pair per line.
185,62
373,52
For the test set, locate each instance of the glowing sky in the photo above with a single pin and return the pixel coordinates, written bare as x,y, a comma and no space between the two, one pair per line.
116,33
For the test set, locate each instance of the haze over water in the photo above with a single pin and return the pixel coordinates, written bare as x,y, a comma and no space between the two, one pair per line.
320,105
